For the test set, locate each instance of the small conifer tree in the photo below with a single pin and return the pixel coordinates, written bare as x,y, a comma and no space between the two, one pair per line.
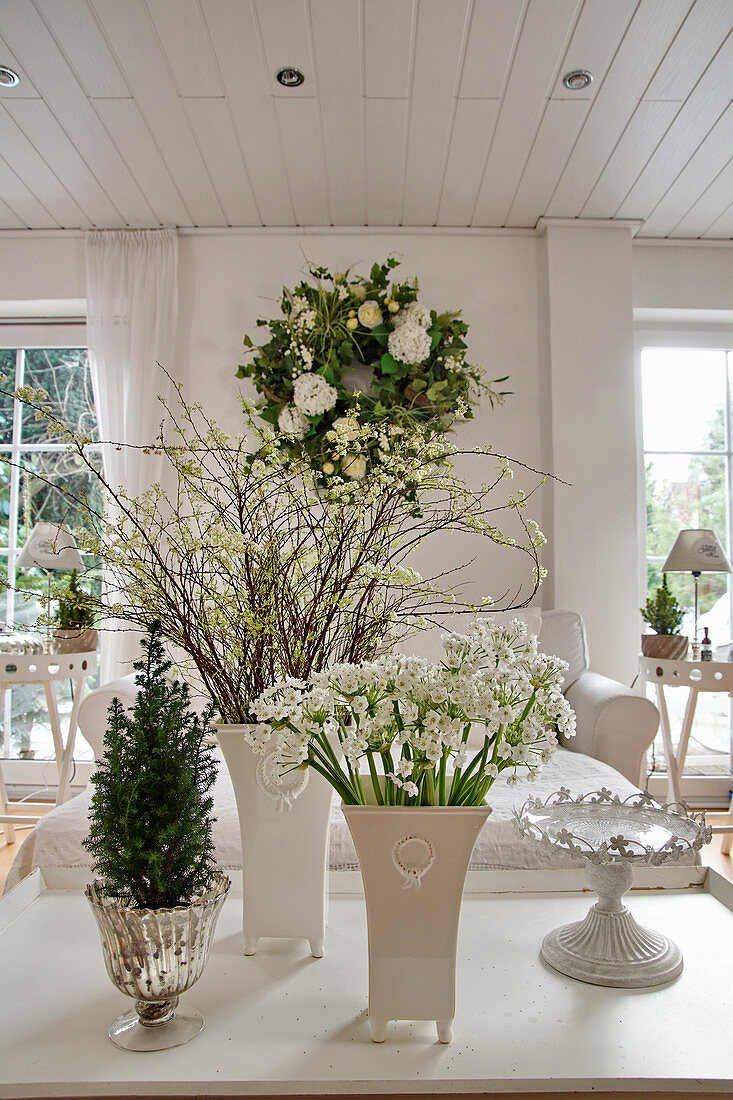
150,816
663,613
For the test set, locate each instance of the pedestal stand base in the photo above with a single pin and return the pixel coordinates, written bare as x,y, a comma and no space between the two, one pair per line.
610,948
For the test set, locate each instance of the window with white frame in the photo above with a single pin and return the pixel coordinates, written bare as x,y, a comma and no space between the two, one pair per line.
39,481
687,422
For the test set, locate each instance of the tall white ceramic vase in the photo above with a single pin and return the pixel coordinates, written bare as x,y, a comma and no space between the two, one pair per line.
284,828
413,864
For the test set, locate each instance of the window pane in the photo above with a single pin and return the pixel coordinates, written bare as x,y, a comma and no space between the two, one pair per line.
53,488
683,399
684,491
7,367
64,375
30,729
4,502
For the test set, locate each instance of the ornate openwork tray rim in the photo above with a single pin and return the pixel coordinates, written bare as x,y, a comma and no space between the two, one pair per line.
685,830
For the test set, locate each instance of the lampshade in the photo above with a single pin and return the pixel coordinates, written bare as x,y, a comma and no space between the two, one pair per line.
696,552
50,546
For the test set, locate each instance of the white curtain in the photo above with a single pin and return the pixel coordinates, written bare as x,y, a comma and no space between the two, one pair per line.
132,314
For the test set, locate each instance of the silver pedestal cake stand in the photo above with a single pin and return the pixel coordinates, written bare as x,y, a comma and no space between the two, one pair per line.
609,947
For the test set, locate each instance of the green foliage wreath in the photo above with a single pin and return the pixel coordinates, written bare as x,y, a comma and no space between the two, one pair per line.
350,352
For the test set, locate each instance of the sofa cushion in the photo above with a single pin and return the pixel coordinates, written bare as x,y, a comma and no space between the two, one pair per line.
563,635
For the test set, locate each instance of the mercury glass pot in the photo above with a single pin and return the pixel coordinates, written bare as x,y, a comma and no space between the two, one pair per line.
154,955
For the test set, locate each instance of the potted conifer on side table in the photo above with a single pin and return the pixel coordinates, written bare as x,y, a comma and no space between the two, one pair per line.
74,620
159,895
664,616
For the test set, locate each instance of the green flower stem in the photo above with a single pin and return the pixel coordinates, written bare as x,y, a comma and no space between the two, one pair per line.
428,787
360,789
458,788
375,779
330,770
342,788
441,778
387,765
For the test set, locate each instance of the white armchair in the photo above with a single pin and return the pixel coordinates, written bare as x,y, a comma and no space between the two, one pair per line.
615,724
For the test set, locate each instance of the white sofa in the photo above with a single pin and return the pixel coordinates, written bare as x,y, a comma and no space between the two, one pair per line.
615,728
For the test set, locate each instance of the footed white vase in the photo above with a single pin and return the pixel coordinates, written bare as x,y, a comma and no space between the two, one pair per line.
284,828
413,864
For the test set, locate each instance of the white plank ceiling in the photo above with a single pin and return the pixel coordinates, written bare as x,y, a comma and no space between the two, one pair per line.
413,112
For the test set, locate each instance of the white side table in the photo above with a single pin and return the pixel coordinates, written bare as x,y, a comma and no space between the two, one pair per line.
46,669
697,676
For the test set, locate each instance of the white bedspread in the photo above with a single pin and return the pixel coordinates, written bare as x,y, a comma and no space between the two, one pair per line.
57,839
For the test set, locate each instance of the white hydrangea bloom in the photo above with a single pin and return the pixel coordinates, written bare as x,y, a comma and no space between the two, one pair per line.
409,343
413,314
292,422
313,395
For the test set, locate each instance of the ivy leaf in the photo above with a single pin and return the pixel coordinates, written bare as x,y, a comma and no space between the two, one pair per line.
418,384
241,373
248,342
327,373
389,364
270,414
381,334
435,390
380,409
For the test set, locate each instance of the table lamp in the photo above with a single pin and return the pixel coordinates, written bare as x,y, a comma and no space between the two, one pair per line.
52,547
696,551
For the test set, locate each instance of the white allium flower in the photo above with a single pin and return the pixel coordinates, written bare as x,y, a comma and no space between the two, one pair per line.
313,395
354,466
292,422
409,343
413,314
369,314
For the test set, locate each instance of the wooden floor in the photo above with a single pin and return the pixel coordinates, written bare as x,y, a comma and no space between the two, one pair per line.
7,851
711,854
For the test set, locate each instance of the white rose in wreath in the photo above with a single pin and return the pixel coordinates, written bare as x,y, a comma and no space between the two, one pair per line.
354,466
369,314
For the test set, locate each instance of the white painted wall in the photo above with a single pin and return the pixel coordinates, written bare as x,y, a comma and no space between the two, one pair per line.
590,351
694,275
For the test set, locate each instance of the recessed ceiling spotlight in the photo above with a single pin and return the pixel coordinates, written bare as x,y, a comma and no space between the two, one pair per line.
577,80
290,77
8,79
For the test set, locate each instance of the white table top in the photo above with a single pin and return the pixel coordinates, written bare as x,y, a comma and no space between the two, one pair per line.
703,675
282,1023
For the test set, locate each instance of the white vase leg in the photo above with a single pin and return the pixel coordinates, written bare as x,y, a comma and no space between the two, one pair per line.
378,1028
445,1030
